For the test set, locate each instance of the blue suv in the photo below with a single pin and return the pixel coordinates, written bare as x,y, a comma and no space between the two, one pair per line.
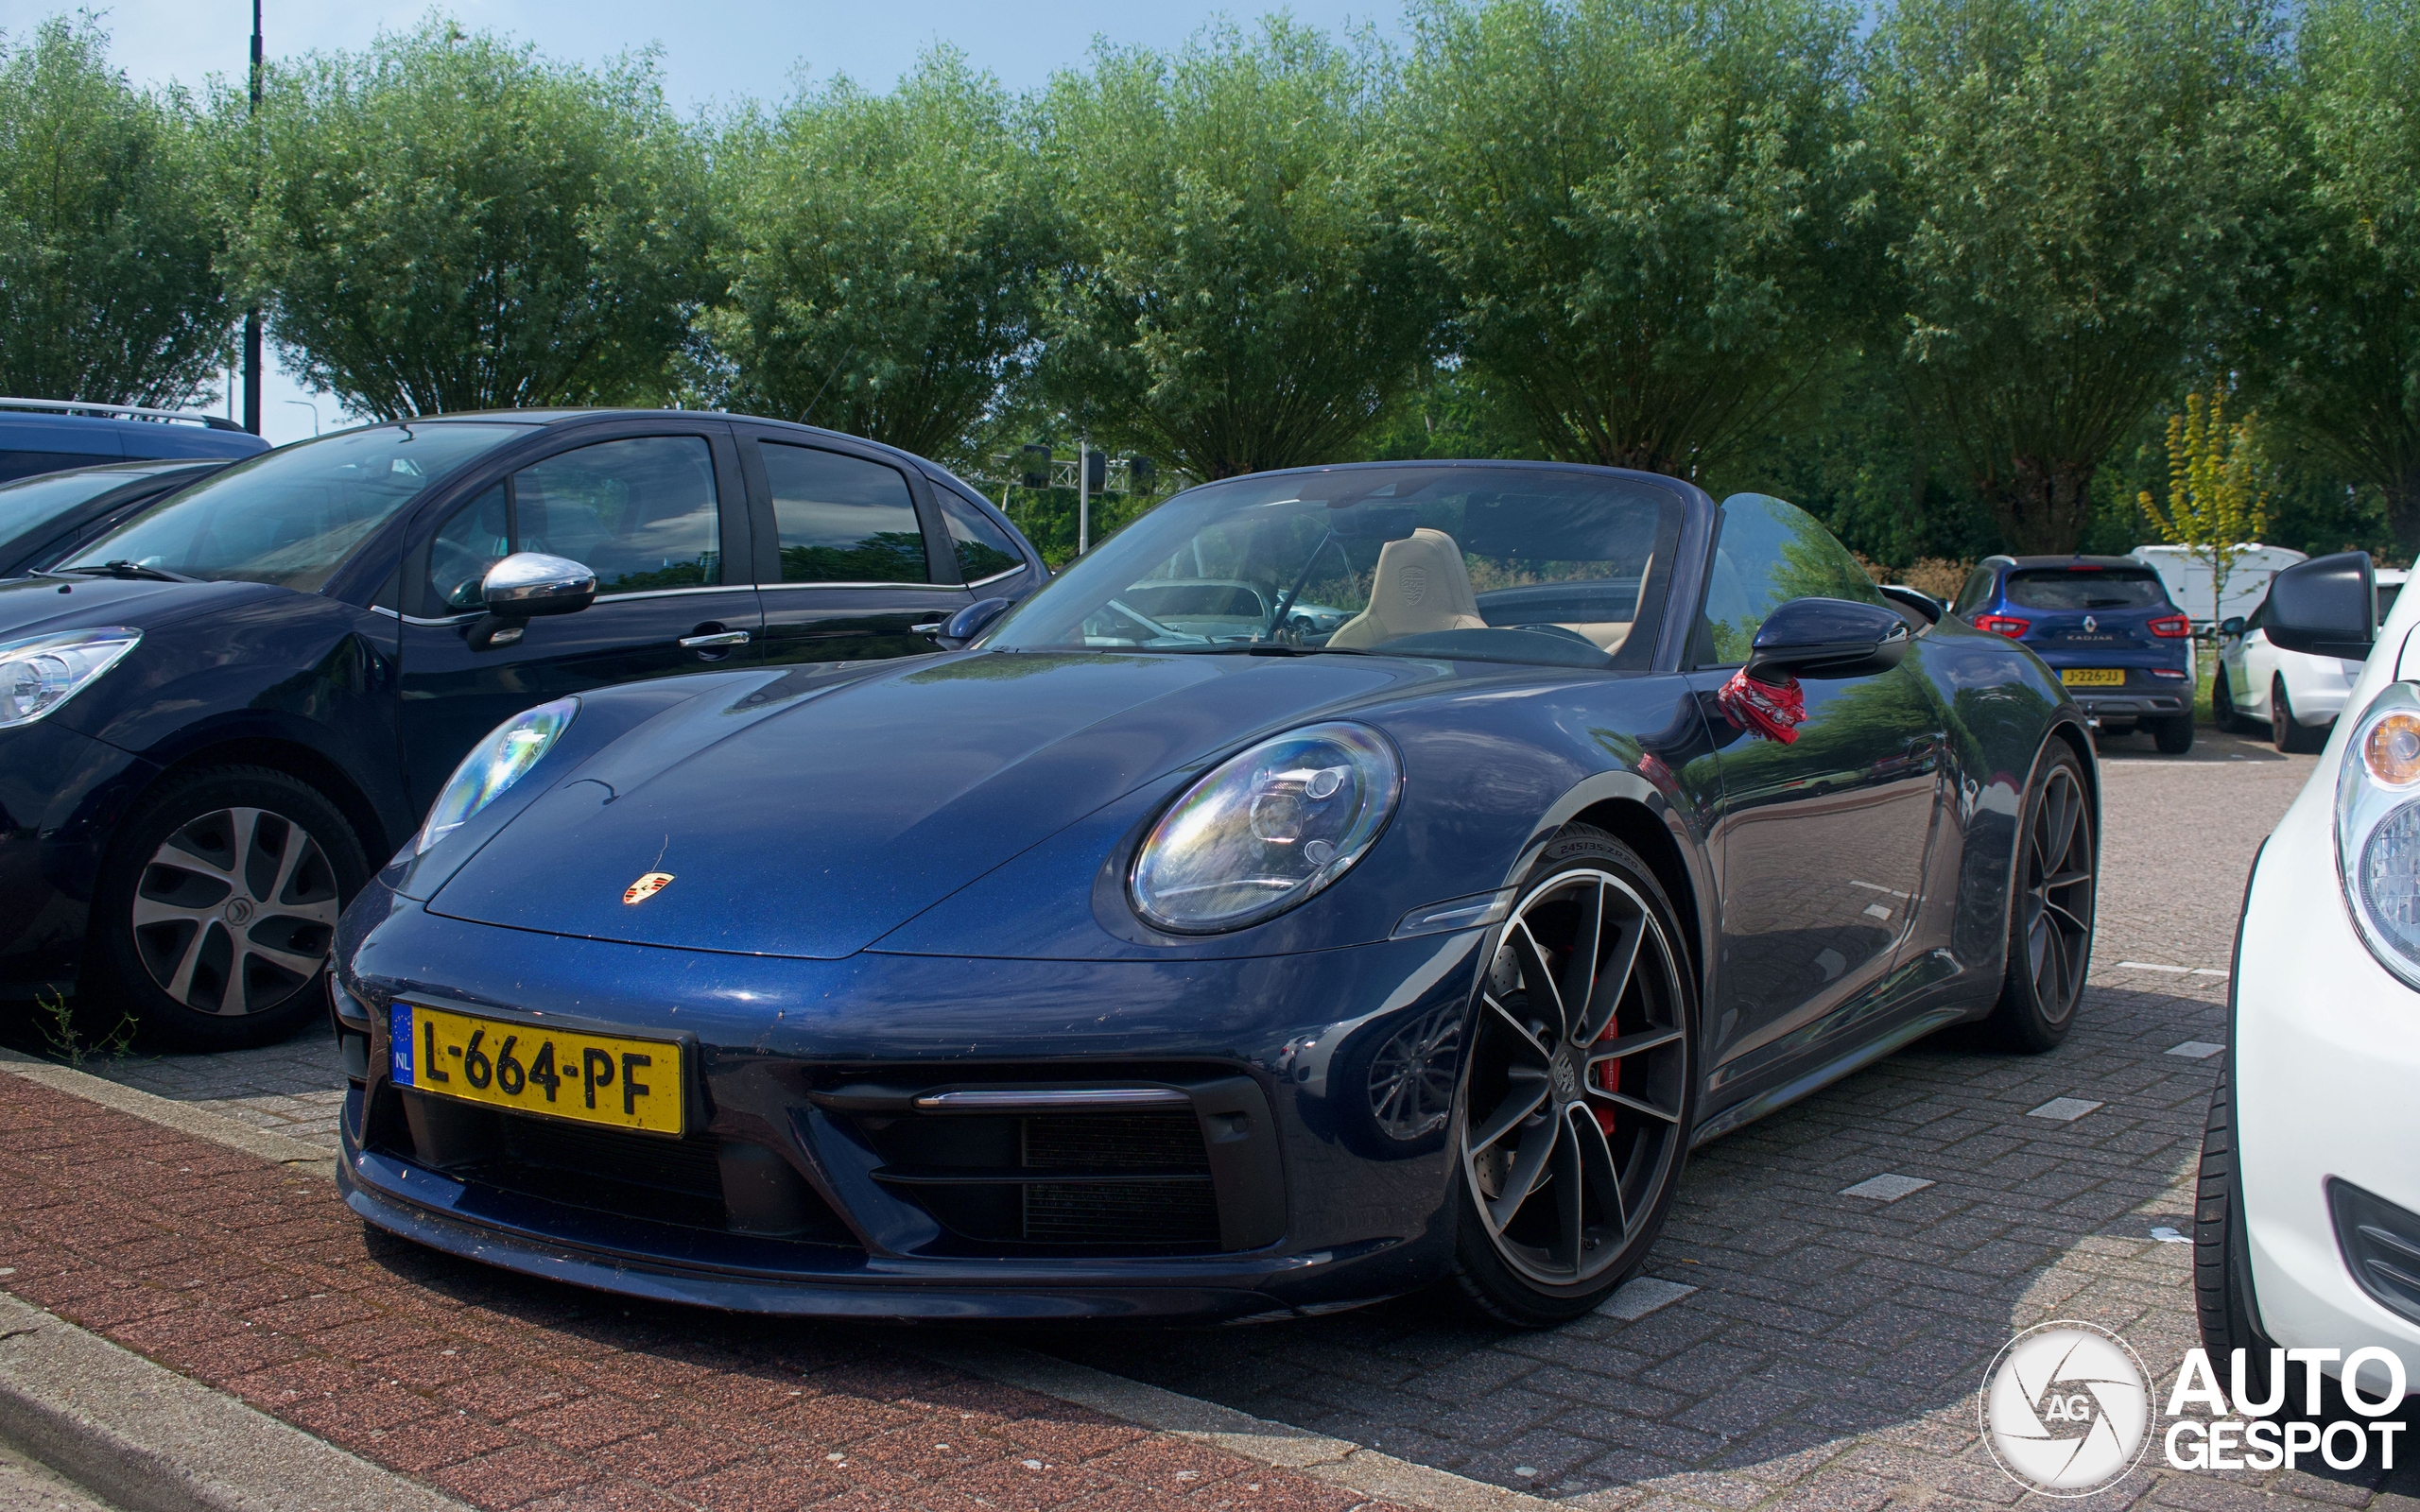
2106,626
39,435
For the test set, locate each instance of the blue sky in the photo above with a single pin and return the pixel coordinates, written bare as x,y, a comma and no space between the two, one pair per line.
713,50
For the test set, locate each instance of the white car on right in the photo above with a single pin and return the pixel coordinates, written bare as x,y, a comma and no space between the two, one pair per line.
2293,695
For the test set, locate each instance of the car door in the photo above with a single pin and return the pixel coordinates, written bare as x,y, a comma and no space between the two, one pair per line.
850,553
656,510
2255,665
1825,837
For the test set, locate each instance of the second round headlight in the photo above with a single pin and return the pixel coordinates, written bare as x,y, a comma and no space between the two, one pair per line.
1267,829
495,765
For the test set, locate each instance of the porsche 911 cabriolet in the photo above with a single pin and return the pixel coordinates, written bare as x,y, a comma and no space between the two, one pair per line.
1117,965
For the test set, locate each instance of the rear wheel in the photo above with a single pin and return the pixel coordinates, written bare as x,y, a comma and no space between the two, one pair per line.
2176,736
218,905
2051,912
1579,1088
2283,732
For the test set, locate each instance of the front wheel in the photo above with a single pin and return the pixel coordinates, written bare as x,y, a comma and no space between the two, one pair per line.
217,904
2049,945
2223,708
2285,731
1579,1088
2221,1274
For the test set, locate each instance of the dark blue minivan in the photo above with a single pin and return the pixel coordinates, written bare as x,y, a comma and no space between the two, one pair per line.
2106,626
49,436
218,718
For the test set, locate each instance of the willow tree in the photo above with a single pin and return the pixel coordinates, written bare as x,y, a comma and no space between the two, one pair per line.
1644,206
448,222
110,281
883,256
2069,215
1236,292
2350,333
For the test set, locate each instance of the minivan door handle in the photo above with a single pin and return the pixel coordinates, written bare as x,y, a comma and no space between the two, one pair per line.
699,642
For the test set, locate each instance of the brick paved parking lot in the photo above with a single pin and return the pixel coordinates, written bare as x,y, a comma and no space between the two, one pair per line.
1834,1282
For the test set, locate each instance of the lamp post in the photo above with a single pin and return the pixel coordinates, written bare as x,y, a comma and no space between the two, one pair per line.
252,316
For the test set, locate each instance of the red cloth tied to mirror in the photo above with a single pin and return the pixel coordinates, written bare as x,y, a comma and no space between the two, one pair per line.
1773,710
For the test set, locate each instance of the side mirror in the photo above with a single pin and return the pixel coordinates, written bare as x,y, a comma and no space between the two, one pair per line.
1916,598
970,621
2232,625
529,583
2325,607
1828,638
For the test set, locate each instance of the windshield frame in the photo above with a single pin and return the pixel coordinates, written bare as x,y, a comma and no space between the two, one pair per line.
1685,533
507,436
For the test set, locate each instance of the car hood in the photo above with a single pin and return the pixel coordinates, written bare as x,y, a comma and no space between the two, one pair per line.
809,819
43,606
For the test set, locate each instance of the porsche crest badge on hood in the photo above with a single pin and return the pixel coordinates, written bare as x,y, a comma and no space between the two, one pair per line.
647,887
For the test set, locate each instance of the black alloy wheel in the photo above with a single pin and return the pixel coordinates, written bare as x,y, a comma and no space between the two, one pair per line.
218,905
2285,731
2051,914
2223,708
1579,1089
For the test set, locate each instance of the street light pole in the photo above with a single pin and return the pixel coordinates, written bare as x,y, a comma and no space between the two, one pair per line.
1083,494
252,316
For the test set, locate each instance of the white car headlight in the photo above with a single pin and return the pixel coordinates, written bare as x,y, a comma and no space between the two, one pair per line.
1267,829
39,674
497,761
2378,829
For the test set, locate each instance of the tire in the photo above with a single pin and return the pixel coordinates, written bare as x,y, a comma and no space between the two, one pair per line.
211,925
2222,1293
1548,1107
2223,713
2050,907
2284,731
2175,735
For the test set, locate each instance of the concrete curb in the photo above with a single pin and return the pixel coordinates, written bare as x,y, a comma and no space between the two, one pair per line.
1337,1461
150,1440
199,1121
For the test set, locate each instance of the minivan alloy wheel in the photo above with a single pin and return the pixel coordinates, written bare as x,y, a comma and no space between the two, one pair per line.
234,912
1571,1129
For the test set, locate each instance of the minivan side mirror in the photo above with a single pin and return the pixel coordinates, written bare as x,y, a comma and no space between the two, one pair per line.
1827,638
970,620
2325,607
529,583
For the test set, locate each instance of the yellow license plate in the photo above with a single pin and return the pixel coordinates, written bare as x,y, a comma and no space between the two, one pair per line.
590,1079
2092,677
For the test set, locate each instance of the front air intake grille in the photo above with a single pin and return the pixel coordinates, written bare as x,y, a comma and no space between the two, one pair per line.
1115,1142
2382,1247
1176,1209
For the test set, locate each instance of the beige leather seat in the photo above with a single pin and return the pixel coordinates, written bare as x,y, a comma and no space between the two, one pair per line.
1421,587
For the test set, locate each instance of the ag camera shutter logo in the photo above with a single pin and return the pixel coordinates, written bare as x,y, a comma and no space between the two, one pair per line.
2065,1408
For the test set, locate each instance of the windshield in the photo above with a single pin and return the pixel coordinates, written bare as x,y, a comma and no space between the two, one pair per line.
291,516
36,501
2086,588
1489,564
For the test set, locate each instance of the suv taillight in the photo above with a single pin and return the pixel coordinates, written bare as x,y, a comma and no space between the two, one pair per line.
2171,627
2007,625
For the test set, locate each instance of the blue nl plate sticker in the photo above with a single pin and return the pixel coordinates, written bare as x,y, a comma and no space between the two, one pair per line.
398,1036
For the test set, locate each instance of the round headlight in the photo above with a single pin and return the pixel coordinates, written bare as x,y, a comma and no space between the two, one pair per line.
497,761
2378,829
1267,829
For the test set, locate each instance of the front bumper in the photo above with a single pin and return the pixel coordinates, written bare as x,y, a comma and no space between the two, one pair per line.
821,1190
60,791
2326,1053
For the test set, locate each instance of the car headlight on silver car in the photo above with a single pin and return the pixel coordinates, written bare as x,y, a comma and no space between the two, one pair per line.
2378,829
1267,829
41,672
497,761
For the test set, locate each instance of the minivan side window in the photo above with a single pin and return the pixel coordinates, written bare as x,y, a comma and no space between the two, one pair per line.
1769,552
984,550
639,512
844,519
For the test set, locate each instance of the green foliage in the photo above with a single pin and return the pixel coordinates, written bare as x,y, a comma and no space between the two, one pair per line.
448,222
2349,341
885,556
1640,203
110,288
884,258
2218,485
1238,292
67,1042
2072,192
1046,517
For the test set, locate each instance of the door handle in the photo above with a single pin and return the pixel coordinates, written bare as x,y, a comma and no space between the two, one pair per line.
699,642
929,627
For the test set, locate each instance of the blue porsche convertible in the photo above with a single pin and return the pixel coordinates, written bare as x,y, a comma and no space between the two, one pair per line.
1400,912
